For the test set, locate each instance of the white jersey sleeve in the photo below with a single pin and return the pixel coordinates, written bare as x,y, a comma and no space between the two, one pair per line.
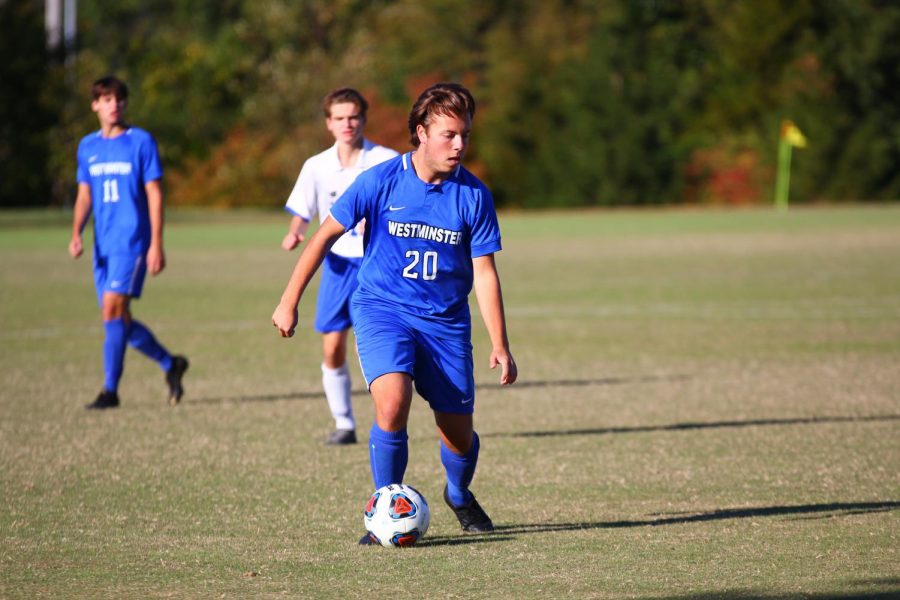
302,201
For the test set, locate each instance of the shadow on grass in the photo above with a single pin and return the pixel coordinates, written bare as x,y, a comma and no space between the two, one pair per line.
819,511
886,587
484,386
694,426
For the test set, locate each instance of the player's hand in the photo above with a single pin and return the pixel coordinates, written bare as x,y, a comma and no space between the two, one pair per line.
76,247
285,320
509,371
156,260
291,241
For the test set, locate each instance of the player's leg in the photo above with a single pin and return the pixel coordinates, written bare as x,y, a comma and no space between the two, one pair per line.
444,376
337,384
386,351
116,322
174,366
387,355
459,455
388,438
333,322
131,273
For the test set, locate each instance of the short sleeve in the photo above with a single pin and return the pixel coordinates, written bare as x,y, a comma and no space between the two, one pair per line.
81,174
354,202
151,166
485,231
302,201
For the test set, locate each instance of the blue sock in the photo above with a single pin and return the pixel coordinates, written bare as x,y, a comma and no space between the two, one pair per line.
114,352
388,455
460,471
141,338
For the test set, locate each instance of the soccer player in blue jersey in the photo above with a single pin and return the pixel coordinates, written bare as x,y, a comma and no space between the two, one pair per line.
322,180
431,232
119,174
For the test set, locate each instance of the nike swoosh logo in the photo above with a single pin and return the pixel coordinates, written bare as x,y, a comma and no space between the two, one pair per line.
466,401
92,159
393,208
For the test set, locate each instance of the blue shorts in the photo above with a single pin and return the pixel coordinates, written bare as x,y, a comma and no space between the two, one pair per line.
441,368
335,288
120,274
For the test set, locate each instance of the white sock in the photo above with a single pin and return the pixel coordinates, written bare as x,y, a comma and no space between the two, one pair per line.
337,390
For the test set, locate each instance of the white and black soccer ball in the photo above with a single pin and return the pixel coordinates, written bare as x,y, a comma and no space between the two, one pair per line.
397,515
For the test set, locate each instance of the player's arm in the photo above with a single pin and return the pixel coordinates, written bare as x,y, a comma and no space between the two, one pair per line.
79,220
296,232
490,302
285,316
156,257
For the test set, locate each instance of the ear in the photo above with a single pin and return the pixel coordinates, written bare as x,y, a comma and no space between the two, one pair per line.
95,105
421,133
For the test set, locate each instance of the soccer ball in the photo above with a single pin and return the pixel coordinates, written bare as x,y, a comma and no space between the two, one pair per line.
396,515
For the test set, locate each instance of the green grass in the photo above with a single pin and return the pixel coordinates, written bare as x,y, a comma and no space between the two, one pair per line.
708,407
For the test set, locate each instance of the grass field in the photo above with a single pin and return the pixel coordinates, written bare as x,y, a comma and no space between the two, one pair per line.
708,407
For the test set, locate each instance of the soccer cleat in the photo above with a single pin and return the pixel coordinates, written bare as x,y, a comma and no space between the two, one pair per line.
368,540
341,437
472,517
173,378
106,399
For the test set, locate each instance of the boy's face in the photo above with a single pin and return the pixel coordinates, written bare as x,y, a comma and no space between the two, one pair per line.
345,123
110,110
443,143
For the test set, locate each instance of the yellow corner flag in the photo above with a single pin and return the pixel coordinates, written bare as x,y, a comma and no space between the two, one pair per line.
792,134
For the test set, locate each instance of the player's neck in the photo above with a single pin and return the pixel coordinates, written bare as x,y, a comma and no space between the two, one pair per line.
348,154
111,130
425,172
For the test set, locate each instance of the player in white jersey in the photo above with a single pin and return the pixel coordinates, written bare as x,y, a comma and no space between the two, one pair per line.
322,180
431,234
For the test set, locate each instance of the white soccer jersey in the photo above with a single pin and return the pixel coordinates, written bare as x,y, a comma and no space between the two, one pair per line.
323,180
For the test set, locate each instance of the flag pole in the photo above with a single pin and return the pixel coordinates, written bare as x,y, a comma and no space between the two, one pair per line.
783,176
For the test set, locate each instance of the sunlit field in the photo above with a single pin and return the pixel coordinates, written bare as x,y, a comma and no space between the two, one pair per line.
708,407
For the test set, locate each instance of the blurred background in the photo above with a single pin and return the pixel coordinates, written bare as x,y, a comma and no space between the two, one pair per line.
581,103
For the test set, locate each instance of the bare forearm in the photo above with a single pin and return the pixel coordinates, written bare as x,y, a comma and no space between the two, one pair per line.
82,210
309,261
285,316
156,212
490,303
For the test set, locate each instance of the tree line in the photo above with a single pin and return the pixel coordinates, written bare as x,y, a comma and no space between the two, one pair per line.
580,102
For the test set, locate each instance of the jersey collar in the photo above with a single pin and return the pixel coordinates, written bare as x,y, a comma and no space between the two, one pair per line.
360,161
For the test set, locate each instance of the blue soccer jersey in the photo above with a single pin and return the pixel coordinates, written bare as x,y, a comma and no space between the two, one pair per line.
420,240
117,170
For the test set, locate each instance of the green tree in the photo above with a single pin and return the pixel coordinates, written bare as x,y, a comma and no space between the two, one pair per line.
25,113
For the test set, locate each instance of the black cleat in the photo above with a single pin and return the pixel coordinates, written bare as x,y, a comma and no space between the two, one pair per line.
106,399
173,378
472,517
368,540
341,437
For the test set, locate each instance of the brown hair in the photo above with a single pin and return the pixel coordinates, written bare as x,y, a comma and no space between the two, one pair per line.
342,95
109,85
449,99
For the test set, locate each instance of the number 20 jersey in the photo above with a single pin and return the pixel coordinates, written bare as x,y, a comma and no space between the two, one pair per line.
420,240
117,169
